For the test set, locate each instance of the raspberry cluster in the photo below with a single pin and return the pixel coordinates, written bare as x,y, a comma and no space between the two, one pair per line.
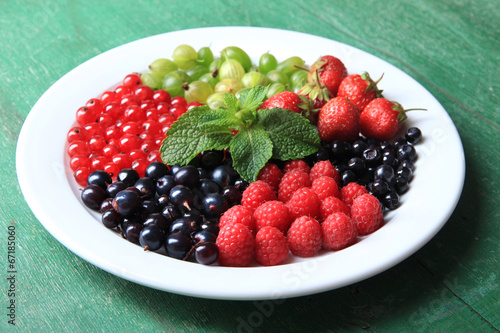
296,210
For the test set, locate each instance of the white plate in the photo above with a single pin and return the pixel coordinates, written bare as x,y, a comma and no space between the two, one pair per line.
52,194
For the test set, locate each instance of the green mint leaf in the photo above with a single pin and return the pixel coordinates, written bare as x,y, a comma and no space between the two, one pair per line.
251,148
292,135
185,139
254,98
218,117
232,103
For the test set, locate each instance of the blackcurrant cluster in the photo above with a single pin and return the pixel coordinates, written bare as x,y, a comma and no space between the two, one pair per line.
172,209
384,168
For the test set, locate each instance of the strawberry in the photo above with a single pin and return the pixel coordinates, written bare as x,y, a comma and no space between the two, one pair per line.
338,120
331,71
360,89
381,119
283,100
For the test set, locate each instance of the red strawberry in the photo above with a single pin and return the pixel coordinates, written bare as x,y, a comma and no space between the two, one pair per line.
283,100
338,120
331,71
360,89
381,119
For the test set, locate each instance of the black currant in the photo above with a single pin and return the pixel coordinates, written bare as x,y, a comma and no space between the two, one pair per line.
178,246
152,237
413,135
407,152
206,253
111,219
164,184
132,232
128,176
187,175
99,177
92,196
156,170
214,204
182,197
127,202
114,188
147,187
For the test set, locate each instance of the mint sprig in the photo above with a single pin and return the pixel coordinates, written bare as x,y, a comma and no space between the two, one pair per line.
261,134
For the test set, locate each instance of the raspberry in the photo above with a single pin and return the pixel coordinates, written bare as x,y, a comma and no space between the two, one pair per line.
271,174
273,213
304,202
324,168
349,192
291,182
256,194
238,214
332,205
271,246
304,237
296,164
366,212
339,231
236,245
325,186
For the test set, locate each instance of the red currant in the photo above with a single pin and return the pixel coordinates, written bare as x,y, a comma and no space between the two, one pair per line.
163,107
79,161
146,135
81,175
78,147
134,113
135,154
121,160
108,97
96,144
178,102
193,104
148,146
105,120
151,126
97,163
113,109
93,129
144,93
129,142
111,169
110,150
95,103
166,119
140,166
85,115
161,95
154,156
152,114
131,127
112,132
146,105
177,111
121,91
128,100
131,81
76,133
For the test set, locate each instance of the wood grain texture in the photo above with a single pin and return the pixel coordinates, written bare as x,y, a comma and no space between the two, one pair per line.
451,47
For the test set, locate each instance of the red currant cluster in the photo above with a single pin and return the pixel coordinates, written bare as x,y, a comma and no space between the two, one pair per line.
122,129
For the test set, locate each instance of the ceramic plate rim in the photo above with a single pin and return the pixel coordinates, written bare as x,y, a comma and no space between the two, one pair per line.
43,174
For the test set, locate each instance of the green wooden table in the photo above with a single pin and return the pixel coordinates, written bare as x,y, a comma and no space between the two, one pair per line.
451,285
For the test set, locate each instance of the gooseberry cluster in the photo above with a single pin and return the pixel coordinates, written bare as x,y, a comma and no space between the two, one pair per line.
199,76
